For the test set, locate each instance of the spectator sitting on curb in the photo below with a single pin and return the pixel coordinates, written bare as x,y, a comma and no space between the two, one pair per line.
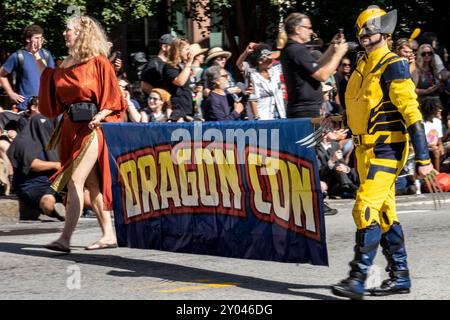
328,211
342,180
33,165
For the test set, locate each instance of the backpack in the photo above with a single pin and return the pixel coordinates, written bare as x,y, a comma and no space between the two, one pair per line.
21,60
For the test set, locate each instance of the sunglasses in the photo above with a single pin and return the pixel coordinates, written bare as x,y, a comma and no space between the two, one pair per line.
265,54
346,64
153,98
427,53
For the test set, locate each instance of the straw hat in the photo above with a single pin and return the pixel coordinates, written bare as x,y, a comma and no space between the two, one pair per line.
196,49
217,52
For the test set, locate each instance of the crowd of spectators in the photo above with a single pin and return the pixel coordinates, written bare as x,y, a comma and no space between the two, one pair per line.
186,82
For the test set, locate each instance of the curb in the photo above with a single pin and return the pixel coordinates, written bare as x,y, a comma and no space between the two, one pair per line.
401,201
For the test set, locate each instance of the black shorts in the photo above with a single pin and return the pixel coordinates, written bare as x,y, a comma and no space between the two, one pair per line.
33,196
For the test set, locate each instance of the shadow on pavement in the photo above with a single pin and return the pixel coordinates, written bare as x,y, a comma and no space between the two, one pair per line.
172,272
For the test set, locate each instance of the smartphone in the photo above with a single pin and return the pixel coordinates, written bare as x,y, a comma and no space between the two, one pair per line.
248,79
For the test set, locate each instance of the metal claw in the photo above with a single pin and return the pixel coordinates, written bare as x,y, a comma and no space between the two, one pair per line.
324,123
431,190
317,136
311,136
435,189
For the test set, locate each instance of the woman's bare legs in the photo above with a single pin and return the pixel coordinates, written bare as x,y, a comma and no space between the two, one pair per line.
104,217
86,202
75,188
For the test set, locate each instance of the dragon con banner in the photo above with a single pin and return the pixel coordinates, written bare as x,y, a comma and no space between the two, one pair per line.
241,189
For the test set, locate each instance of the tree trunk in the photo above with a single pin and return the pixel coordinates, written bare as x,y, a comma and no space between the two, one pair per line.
242,28
232,41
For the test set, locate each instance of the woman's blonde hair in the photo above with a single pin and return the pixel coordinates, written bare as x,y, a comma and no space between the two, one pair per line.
91,39
174,58
419,59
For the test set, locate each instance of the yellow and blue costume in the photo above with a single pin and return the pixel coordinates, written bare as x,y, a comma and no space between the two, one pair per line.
383,115
382,106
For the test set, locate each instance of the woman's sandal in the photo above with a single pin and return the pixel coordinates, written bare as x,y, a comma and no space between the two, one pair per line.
99,245
56,246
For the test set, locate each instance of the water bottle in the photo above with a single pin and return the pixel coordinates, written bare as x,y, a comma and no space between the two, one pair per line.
418,186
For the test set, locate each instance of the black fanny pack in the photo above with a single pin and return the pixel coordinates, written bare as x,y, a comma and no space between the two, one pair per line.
82,111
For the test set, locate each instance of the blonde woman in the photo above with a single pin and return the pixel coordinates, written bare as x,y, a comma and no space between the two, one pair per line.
157,110
176,75
84,82
426,77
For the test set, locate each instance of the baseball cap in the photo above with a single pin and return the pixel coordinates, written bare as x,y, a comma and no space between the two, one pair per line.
166,39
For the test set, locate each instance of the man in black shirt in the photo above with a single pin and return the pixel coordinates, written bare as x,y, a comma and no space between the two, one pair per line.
33,165
152,75
303,74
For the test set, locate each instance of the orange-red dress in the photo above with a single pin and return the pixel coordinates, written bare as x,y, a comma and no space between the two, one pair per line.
93,81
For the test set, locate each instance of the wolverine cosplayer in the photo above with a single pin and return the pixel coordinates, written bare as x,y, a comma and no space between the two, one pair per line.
383,115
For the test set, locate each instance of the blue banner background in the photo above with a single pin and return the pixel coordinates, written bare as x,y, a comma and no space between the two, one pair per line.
215,234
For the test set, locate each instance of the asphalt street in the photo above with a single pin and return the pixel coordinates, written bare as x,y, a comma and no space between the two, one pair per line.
28,271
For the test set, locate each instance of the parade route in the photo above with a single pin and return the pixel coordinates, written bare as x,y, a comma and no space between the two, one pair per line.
28,271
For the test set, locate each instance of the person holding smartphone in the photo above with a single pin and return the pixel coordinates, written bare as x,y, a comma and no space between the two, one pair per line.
302,73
